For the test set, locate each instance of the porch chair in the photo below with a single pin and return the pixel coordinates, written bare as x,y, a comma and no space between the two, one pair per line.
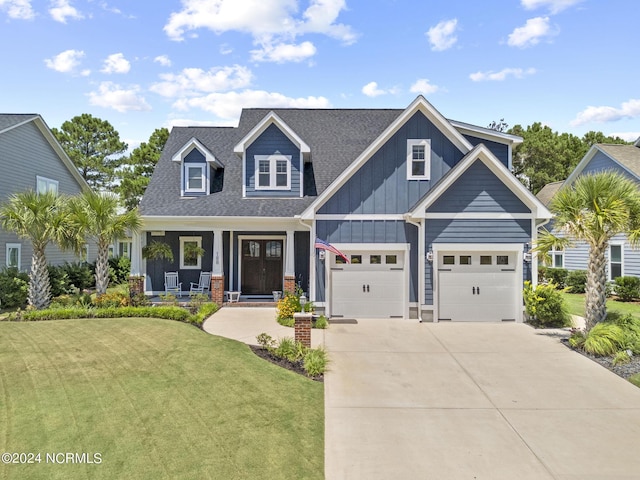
203,285
171,284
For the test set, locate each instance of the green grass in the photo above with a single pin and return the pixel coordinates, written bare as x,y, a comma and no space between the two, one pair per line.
575,303
635,379
157,399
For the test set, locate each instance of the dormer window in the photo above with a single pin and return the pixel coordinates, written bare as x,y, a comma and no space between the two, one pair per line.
273,172
195,178
418,159
196,163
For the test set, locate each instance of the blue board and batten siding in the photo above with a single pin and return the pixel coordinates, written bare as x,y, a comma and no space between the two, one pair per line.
272,141
472,231
478,190
500,150
369,231
380,186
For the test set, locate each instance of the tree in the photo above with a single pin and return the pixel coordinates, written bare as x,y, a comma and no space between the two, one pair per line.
138,168
97,217
92,144
500,126
41,218
594,209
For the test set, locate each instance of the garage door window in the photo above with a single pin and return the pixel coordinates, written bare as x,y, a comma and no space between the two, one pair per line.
356,259
485,259
502,260
375,259
465,259
391,259
449,260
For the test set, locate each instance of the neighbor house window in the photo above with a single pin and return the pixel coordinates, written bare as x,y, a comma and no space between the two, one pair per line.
557,258
84,252
615,261
44,185
124,249
14,251
189,252
195,178
418,159
273,172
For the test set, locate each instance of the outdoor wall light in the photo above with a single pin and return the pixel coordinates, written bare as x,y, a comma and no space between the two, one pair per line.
321,254
527,253
430,255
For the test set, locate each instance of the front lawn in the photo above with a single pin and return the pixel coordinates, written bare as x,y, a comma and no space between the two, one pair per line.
575,303
156,399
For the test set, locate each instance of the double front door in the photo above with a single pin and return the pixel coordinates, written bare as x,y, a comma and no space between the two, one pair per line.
262,262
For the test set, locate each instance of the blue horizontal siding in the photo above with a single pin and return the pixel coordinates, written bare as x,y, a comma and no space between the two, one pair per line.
602,162
478,190
381,186
500,150
272,141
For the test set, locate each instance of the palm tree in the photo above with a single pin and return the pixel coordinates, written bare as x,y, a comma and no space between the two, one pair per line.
593,209
42,218
98,217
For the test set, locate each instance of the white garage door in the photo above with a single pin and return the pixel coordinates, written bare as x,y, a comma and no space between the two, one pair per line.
478,286
372,285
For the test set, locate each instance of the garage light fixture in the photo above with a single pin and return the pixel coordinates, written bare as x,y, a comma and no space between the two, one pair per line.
430,255
527,253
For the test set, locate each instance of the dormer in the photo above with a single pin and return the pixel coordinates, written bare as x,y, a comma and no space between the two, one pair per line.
196,163
273,157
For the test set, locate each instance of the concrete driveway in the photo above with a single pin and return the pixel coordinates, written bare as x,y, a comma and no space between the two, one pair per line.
405,400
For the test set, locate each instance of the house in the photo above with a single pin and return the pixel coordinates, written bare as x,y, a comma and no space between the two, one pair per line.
426,210
32,158
622,260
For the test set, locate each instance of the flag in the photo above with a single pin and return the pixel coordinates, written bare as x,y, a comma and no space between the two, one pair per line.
322,245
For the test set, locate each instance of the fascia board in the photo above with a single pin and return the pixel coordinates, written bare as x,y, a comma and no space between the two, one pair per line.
270,118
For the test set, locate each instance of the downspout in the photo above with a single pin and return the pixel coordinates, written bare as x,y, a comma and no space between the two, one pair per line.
312,257
421,259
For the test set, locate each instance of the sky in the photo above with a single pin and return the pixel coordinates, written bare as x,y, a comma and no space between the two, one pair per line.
143,64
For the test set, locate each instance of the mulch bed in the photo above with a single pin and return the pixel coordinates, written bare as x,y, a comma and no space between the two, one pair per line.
284,363
624,370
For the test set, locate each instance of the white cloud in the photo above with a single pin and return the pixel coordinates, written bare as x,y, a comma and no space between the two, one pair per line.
65,62
194,81
284,52
442,35
501,75
163,60
18,9
112,95
371,90
423,87
62,9
267,21
228,105
531,33
603,114
627,136
555,6
116,63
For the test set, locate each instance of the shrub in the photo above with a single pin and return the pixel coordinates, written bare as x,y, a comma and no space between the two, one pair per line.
204,311
119,270
542,273
112,299
621,357
315,362
576,340
59,281
576,281
557,276
545,306
289,349
627,288
14,288
266,341
604,339
631,327
286,321
288,305
321,322
80,274
169,298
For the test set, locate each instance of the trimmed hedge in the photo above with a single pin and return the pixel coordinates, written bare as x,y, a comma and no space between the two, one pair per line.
577,281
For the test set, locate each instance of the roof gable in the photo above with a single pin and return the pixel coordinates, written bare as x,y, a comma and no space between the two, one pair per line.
626,157
271,118
189,146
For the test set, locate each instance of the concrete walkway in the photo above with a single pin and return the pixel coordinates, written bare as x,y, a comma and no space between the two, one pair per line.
473,401
405,400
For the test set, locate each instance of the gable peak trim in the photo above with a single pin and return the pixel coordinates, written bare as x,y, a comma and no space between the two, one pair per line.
271,118
195,143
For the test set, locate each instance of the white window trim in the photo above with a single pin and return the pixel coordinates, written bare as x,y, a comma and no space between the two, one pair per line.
203,175
553,252
183,240
121,244
49,182
9,247
621,245
273,159
411,142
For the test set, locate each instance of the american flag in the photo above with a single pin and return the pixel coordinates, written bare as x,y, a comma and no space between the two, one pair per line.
322,245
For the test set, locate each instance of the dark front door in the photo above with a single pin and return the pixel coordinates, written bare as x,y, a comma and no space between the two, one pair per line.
261,266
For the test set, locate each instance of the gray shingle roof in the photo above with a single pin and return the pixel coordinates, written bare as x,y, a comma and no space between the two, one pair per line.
336,138
548,191
627,155
8,120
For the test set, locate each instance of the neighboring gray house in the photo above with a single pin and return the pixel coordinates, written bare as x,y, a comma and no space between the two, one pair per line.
622,260
431,220
31,158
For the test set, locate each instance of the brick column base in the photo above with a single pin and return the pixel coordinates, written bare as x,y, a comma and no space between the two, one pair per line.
136,286
303,328
217,289
290,283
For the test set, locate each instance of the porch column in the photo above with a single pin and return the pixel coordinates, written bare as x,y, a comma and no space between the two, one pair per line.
136,253
290,264
217,270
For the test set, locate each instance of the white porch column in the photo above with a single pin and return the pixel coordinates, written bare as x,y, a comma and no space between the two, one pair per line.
218,256
136,253
290,261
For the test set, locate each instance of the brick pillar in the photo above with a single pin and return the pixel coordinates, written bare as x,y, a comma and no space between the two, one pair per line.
217,289
303,328
136,285
290,283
